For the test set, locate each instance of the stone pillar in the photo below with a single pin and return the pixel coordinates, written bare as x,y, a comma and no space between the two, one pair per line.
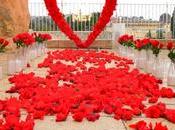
14,17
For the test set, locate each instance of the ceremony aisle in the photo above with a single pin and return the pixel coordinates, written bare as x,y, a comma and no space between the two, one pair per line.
101,90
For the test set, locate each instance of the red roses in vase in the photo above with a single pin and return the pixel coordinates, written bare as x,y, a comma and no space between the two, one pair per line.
40,38
141,44
23,39
171,48
126,40
3,44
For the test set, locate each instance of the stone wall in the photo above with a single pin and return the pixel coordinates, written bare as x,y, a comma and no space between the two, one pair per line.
14,17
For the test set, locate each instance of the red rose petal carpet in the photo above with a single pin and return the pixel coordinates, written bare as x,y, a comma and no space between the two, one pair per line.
83,84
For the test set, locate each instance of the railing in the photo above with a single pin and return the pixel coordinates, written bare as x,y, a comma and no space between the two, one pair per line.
146,19
140,20
80,18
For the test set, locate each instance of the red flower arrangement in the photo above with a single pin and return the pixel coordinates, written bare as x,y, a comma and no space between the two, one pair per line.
58,17
156,46
126,40
3,44
40,38
170,45
142,44
171,48
23,39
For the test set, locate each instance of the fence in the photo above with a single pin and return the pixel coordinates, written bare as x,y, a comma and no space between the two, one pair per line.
140,20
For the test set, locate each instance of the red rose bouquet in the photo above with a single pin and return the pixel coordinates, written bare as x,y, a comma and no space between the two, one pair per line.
23,39
171,48
126,40
156,47
40,38
171,71
3,44
142,44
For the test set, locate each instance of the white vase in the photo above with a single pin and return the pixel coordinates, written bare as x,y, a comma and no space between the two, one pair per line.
124,51
150,61
171,74
45,48
118,47
159,68
19,65
141,59
26,58
1,73
130,53
33,52
38,47
11,67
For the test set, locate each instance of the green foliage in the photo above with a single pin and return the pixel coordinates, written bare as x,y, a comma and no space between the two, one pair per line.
171,55
156,51
160,34
129,44
94,19
149,34
44,23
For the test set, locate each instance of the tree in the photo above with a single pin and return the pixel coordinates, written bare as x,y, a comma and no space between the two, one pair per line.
69,19
45,23
165,18
149,34
94,18
42,23
173,24
160,34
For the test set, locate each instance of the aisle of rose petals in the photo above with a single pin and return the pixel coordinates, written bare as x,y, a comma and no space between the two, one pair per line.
83,84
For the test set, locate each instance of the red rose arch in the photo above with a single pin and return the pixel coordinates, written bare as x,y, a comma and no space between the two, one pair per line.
58,17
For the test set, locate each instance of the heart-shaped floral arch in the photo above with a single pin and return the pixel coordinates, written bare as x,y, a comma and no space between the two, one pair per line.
58,17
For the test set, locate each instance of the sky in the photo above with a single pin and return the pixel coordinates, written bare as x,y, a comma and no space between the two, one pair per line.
152,11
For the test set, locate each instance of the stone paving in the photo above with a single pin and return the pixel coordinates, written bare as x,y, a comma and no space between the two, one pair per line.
106,122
